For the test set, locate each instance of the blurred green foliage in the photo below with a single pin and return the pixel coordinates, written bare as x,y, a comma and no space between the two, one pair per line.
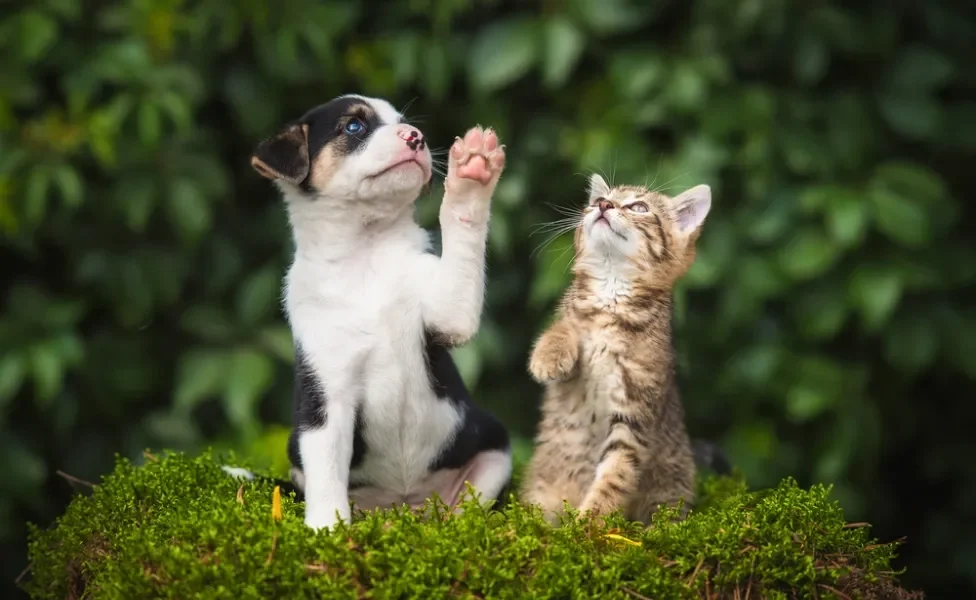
827,330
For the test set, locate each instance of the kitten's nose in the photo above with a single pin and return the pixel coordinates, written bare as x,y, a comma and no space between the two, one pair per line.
605,205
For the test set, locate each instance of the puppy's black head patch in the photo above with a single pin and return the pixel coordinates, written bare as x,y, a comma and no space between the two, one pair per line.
309,151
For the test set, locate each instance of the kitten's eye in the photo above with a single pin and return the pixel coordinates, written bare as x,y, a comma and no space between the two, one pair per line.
354,126
638,207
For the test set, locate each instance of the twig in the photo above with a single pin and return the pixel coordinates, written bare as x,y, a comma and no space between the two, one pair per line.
274,545
240,494
73,479
23,573
695,572
834,590
858,524
150,456
634,594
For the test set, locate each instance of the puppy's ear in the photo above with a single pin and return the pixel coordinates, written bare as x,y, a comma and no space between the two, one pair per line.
284,155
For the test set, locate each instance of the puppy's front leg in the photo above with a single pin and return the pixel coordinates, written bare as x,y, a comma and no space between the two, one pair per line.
326,453
453,286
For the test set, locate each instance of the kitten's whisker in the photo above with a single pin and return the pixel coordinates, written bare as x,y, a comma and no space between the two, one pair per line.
545,244
662,186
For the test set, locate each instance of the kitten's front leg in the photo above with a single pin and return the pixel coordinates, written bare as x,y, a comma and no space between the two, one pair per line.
617,473
452,287
555,356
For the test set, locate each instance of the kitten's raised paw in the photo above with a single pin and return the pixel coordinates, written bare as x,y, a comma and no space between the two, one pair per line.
475,161
553,361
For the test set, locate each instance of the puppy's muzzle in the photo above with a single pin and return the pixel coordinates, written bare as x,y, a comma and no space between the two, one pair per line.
414,139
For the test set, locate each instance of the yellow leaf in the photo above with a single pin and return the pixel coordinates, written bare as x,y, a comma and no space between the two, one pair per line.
620,538
276,504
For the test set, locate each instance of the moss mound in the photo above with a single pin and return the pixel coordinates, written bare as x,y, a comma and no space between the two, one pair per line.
178,527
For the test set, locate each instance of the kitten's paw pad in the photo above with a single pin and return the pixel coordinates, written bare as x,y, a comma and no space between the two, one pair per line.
476,160
553,362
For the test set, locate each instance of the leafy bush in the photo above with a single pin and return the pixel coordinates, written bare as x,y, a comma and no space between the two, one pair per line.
826,332
178,527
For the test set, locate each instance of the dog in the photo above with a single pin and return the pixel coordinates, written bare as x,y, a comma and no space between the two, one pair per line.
381,415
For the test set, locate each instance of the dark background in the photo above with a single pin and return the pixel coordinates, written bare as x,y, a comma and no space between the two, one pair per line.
826,331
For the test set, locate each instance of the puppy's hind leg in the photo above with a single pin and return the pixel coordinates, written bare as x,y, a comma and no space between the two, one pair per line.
489,473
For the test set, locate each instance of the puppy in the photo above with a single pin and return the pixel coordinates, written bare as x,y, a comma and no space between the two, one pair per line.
381,415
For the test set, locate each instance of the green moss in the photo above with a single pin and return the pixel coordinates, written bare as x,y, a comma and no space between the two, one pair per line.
178,527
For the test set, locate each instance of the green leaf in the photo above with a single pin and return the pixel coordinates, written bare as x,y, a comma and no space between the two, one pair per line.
404,54
209,322
911,344
67,179
437,70
189,211
914,116
12,372
38,34
910,180
136,198
636,73
958,335
846,218
48,371
875,290
821,313
177,108
919,69
613,16
199,376
563,47
808,254
688,88
250,374
805,403
278,340
901,219
810,59
38,184
150,123
553,274
468,362
502,53
259,295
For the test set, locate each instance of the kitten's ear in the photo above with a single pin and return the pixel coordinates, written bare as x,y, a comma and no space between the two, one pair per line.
598,187
691,207
284,155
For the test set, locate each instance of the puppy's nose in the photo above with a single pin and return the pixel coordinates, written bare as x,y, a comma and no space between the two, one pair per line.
412,136
605,205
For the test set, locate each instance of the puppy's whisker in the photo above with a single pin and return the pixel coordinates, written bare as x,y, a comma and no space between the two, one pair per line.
406,106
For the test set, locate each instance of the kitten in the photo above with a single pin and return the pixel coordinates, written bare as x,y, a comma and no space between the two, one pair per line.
612,434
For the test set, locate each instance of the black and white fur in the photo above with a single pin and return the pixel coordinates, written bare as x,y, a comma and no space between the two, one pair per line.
381,415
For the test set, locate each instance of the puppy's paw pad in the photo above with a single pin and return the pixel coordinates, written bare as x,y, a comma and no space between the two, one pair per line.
477,157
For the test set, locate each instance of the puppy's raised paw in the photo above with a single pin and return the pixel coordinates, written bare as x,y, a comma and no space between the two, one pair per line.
475,163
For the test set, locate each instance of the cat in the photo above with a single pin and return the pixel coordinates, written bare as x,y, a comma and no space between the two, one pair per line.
612,434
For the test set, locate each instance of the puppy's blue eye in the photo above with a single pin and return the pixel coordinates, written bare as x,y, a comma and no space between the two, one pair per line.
354,126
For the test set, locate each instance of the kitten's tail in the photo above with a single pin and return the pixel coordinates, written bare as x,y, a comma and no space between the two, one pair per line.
240,473
709,456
